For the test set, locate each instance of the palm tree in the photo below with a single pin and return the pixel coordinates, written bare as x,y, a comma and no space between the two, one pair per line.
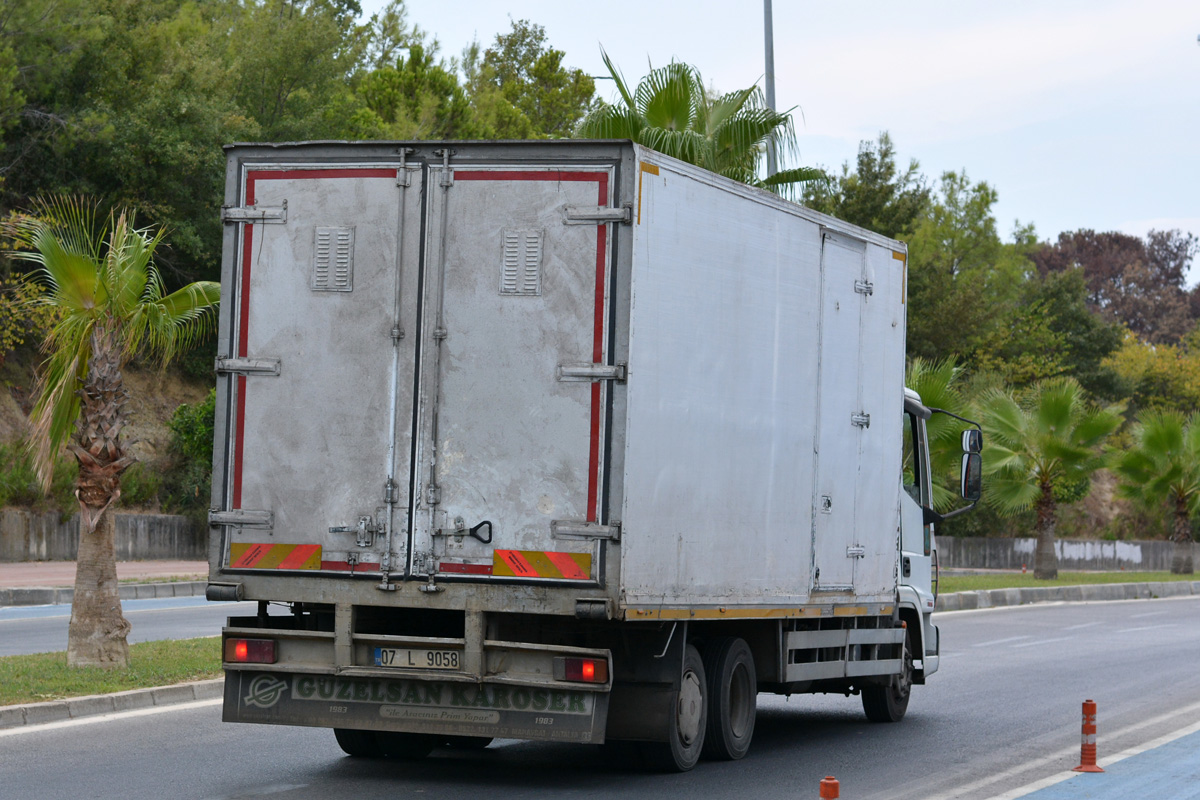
1039,450
100,278
671,112
1164,468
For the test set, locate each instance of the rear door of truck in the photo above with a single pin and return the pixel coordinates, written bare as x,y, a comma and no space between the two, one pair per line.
511,422
418,355
319,377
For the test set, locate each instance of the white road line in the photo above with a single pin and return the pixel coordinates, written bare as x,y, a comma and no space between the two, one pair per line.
1151,614
141,712
1084,625
1056,758
1145,628
1042,641
1100,762
1000,641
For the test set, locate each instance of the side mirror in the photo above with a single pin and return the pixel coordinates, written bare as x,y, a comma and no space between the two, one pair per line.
971,487
972,441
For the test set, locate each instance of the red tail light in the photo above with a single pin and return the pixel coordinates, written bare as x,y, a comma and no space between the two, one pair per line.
584,670
250,651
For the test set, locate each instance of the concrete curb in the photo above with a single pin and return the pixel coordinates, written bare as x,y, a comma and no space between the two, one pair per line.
51,595
78,707
997,598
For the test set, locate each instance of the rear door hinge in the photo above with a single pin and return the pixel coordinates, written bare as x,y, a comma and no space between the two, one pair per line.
861,419
248,366
598,215
864,287
274,215
242,518
592,372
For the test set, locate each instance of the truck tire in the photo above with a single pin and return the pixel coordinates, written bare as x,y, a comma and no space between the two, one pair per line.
888,703
468,742
686,728
358,744
732,698
406,746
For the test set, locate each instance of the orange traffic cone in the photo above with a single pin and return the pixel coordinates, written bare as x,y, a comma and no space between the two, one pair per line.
1087,749
829,788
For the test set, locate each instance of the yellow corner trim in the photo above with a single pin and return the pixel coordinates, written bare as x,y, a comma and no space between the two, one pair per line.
651,168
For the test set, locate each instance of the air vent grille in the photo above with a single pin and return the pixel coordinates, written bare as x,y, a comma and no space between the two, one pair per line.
333,260
521,267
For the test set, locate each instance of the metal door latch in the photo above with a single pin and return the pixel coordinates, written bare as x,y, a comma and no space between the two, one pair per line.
364,532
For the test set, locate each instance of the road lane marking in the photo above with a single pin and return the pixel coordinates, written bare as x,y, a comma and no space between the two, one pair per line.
1151,614
1082,625
1066,754
1102,762
119,715
1146,628
1000,641
1043,641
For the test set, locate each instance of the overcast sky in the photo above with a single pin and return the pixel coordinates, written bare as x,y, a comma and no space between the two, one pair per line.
1080,114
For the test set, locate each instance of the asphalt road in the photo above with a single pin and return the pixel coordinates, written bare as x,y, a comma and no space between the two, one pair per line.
43,629
1004,711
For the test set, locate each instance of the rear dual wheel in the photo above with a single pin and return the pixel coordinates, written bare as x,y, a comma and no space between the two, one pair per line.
686,724
732,698
385,744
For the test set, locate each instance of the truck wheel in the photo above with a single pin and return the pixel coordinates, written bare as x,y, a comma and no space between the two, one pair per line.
359,744
888,703
685,731
406,746
732,698
468,742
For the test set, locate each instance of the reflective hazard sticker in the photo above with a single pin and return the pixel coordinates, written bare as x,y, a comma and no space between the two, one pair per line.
542,564
247,555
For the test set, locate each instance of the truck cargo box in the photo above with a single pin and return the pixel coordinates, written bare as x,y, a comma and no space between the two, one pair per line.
555,373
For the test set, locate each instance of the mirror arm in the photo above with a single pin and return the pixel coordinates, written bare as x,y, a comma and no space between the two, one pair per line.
935,517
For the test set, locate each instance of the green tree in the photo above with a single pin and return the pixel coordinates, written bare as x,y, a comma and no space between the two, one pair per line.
417,98
530,75
962,279
671,112
100,276
1163,468
876,195
1041,450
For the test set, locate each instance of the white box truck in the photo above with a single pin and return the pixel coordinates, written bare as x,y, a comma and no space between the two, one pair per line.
558,440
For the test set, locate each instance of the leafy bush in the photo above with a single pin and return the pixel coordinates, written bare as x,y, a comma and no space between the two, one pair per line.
19,484
186,484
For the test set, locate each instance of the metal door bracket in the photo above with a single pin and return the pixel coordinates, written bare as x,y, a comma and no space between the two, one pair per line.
242,518
861,419
598,215
592,372
864,287
259,215
248,366
856,551
579,529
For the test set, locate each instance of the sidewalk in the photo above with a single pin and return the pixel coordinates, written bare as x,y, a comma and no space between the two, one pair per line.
29,583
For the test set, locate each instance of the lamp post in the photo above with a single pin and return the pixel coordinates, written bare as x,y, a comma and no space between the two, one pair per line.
769,51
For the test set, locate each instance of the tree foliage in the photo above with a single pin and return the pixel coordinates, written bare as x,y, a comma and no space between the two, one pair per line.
1040,449
671,111
1163,468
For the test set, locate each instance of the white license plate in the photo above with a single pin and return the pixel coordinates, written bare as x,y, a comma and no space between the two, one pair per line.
417,658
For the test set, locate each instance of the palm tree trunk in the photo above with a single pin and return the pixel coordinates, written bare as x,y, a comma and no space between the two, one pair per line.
98,630
1181,559
96,636
1045,559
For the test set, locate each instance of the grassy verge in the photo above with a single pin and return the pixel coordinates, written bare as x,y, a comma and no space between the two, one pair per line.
1017,580
46,676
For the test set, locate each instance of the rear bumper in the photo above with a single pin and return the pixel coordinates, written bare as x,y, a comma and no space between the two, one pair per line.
489,709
